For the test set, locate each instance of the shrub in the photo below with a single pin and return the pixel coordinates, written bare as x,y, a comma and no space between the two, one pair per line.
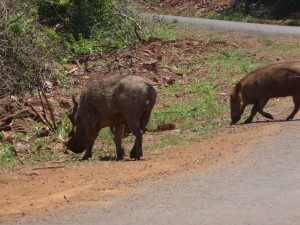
112,20
24,47
36,32
266,8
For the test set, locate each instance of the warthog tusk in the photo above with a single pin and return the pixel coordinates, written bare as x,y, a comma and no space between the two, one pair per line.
61,138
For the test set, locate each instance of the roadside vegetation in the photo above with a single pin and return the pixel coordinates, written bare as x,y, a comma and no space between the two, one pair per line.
256,11
194,71
35,33
261,11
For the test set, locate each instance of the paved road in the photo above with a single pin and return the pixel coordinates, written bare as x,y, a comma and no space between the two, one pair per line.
260,185
229,25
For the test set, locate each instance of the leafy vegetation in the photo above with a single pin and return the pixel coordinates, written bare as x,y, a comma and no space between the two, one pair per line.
280,11
24,47
35,32
266,8
201,109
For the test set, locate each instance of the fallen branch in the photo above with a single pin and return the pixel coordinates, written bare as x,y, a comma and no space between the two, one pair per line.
79,65
41,117
19,114
43,97
48,167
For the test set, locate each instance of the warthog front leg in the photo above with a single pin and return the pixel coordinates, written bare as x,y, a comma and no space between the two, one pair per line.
258,107
88,154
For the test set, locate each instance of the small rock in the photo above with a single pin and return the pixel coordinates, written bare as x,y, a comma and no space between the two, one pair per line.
179,94
168,80
151,65
166,126
155,79
78,73
7,136
23,148
14,99
48,86
65,104
43,132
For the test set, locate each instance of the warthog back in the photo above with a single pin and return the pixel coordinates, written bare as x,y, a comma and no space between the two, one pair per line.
113,101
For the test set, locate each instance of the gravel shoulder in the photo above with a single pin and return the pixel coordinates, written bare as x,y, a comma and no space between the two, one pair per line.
242,170
127,192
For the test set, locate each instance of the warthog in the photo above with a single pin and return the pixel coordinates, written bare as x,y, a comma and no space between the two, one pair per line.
259,86
116,102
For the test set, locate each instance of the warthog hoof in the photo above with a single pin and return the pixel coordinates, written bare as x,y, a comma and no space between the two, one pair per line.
133,155
87,155
269,116
248,120
120,156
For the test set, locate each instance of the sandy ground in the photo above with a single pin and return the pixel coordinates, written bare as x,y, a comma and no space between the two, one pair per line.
55,186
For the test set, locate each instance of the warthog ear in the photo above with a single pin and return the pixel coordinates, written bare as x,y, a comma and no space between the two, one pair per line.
75,102
238,88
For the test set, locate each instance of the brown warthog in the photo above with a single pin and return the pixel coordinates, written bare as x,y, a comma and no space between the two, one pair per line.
116,102
259,86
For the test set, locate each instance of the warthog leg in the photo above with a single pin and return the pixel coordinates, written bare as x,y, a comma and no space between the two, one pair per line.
261,105
136,130
118,134
296,99
143,124
88,154
137,151
258,107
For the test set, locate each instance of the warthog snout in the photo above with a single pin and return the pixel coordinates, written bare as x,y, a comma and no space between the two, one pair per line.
235,119
74,147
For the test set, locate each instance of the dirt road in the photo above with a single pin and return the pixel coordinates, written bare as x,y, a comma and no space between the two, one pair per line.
245,174
230,25
259,186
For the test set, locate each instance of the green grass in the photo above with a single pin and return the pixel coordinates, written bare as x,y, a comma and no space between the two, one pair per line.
161,30
227,63
199,98
199,112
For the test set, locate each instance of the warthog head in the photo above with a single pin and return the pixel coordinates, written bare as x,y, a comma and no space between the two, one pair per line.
81,135
235,107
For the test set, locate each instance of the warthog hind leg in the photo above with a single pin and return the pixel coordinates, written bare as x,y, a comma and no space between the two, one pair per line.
118,133
296,99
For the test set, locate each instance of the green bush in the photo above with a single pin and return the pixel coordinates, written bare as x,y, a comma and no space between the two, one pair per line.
25,47
36,32
111,20
78,16
266,8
